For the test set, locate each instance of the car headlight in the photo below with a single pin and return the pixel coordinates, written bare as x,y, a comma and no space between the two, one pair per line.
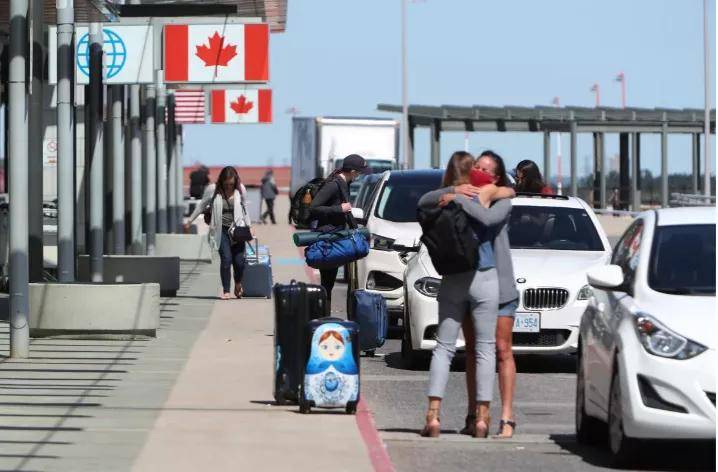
381,243
660,341
585,293
428,286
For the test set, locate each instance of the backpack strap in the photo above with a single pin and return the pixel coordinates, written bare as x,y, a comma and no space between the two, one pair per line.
350,218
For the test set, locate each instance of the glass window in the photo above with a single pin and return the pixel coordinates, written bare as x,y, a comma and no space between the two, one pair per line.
683,260
399,197
557,228
628,250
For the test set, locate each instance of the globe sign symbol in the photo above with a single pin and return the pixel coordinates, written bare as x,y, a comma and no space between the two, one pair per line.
115,53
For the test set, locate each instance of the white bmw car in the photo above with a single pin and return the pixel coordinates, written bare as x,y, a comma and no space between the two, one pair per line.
391,219
647,355
554,241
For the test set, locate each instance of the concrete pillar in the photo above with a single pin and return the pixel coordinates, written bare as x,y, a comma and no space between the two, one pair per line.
118,172
636,173
136,171
574,160
547,157
18,180
37,130
624,178
664,164
65,144
435,144
604,170
597,170
696,163
172,166
412,140
161,141
96,157
150,160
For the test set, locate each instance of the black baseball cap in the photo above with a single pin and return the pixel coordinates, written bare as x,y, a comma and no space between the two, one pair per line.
357,163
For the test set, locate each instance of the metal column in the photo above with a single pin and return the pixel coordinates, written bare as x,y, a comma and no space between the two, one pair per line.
18,180
118,172
547,157
172,166
574,160
707,82
623,174
161,141
696,163
65,144
37,130
604,170
435,144
136,171
94,130
597,170
664,164
636,173
150,158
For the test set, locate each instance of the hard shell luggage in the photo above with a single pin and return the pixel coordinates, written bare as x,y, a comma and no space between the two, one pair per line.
257,279
331,374
294,306
370,312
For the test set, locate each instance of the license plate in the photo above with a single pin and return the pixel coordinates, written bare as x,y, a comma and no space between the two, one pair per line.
527,322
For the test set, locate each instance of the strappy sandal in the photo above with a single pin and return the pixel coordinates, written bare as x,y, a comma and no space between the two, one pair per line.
469,425
502,423
432,429
238,290
482,427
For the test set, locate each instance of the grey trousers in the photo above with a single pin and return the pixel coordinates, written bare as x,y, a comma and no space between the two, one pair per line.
476,293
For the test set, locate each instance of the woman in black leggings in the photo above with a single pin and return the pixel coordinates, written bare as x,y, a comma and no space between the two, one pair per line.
330,206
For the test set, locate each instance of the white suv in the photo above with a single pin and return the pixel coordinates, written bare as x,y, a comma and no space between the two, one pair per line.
391,220
554,241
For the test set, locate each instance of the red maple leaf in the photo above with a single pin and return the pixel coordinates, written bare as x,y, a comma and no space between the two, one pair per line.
241,106
216,54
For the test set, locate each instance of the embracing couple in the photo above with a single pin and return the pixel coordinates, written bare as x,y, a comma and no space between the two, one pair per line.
482,302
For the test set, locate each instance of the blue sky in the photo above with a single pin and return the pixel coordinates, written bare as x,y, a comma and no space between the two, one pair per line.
342,57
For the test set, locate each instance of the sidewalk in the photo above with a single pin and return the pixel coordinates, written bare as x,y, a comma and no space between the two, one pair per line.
199,397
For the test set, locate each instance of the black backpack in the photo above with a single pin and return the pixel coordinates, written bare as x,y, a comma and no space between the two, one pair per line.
450,237
301,201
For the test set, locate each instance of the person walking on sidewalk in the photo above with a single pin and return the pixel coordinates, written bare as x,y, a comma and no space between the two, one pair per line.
227,208
491,167
330,208
269,193
475,292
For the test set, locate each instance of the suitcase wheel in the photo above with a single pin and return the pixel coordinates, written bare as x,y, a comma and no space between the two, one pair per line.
304,407
351,408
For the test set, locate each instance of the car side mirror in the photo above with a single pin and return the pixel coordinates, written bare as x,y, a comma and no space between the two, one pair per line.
608,277
358,215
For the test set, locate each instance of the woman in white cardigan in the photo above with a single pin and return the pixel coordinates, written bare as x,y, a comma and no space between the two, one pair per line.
228,208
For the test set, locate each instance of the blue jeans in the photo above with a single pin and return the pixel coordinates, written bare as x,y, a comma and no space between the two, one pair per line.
230,255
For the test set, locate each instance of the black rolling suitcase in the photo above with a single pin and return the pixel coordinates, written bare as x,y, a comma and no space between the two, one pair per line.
331,373
294,306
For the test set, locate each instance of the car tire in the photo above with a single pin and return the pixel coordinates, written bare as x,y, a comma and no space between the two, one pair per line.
622,447
409,356
588,428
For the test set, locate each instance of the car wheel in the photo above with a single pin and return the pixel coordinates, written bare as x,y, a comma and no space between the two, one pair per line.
409,356
622,447
588,428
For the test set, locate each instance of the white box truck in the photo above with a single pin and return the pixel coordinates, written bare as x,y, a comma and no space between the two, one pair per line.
320,143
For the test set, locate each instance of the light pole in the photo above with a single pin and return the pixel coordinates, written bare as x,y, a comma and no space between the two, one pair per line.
706,113
596,89
408,152
559,176
621,77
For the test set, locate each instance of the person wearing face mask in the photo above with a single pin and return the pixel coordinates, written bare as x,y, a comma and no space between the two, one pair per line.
330,208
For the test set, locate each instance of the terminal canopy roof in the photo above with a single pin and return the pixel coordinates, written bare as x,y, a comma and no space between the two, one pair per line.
557,119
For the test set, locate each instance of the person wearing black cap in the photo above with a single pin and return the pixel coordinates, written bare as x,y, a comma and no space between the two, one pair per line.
330,207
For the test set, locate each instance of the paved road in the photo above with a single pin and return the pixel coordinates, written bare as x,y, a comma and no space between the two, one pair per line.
544,408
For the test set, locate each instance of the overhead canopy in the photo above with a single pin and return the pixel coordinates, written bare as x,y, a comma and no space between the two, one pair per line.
546,118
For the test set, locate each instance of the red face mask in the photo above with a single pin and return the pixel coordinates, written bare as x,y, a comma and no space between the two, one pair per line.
479,178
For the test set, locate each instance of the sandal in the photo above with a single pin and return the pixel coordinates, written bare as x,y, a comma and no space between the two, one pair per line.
225,296
432,429
238,290
502,424
469,425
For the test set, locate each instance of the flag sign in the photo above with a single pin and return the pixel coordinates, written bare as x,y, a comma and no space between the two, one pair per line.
220,53
189,106
241,106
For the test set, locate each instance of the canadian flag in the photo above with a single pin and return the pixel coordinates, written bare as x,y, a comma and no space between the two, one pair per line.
218,53
241,106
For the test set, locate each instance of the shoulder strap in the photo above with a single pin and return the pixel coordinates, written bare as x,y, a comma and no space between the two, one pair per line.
342,195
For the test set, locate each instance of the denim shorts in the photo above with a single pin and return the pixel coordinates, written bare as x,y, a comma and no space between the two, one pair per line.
509,308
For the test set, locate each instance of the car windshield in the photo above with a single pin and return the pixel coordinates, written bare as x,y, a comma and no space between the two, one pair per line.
558,228
399,197
683,260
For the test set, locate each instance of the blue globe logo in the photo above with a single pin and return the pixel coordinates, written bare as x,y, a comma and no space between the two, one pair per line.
114,50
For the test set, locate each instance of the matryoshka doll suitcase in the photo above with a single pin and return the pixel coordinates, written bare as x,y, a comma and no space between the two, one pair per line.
331,375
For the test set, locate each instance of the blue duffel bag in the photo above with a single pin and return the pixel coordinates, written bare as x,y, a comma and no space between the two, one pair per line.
333,254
